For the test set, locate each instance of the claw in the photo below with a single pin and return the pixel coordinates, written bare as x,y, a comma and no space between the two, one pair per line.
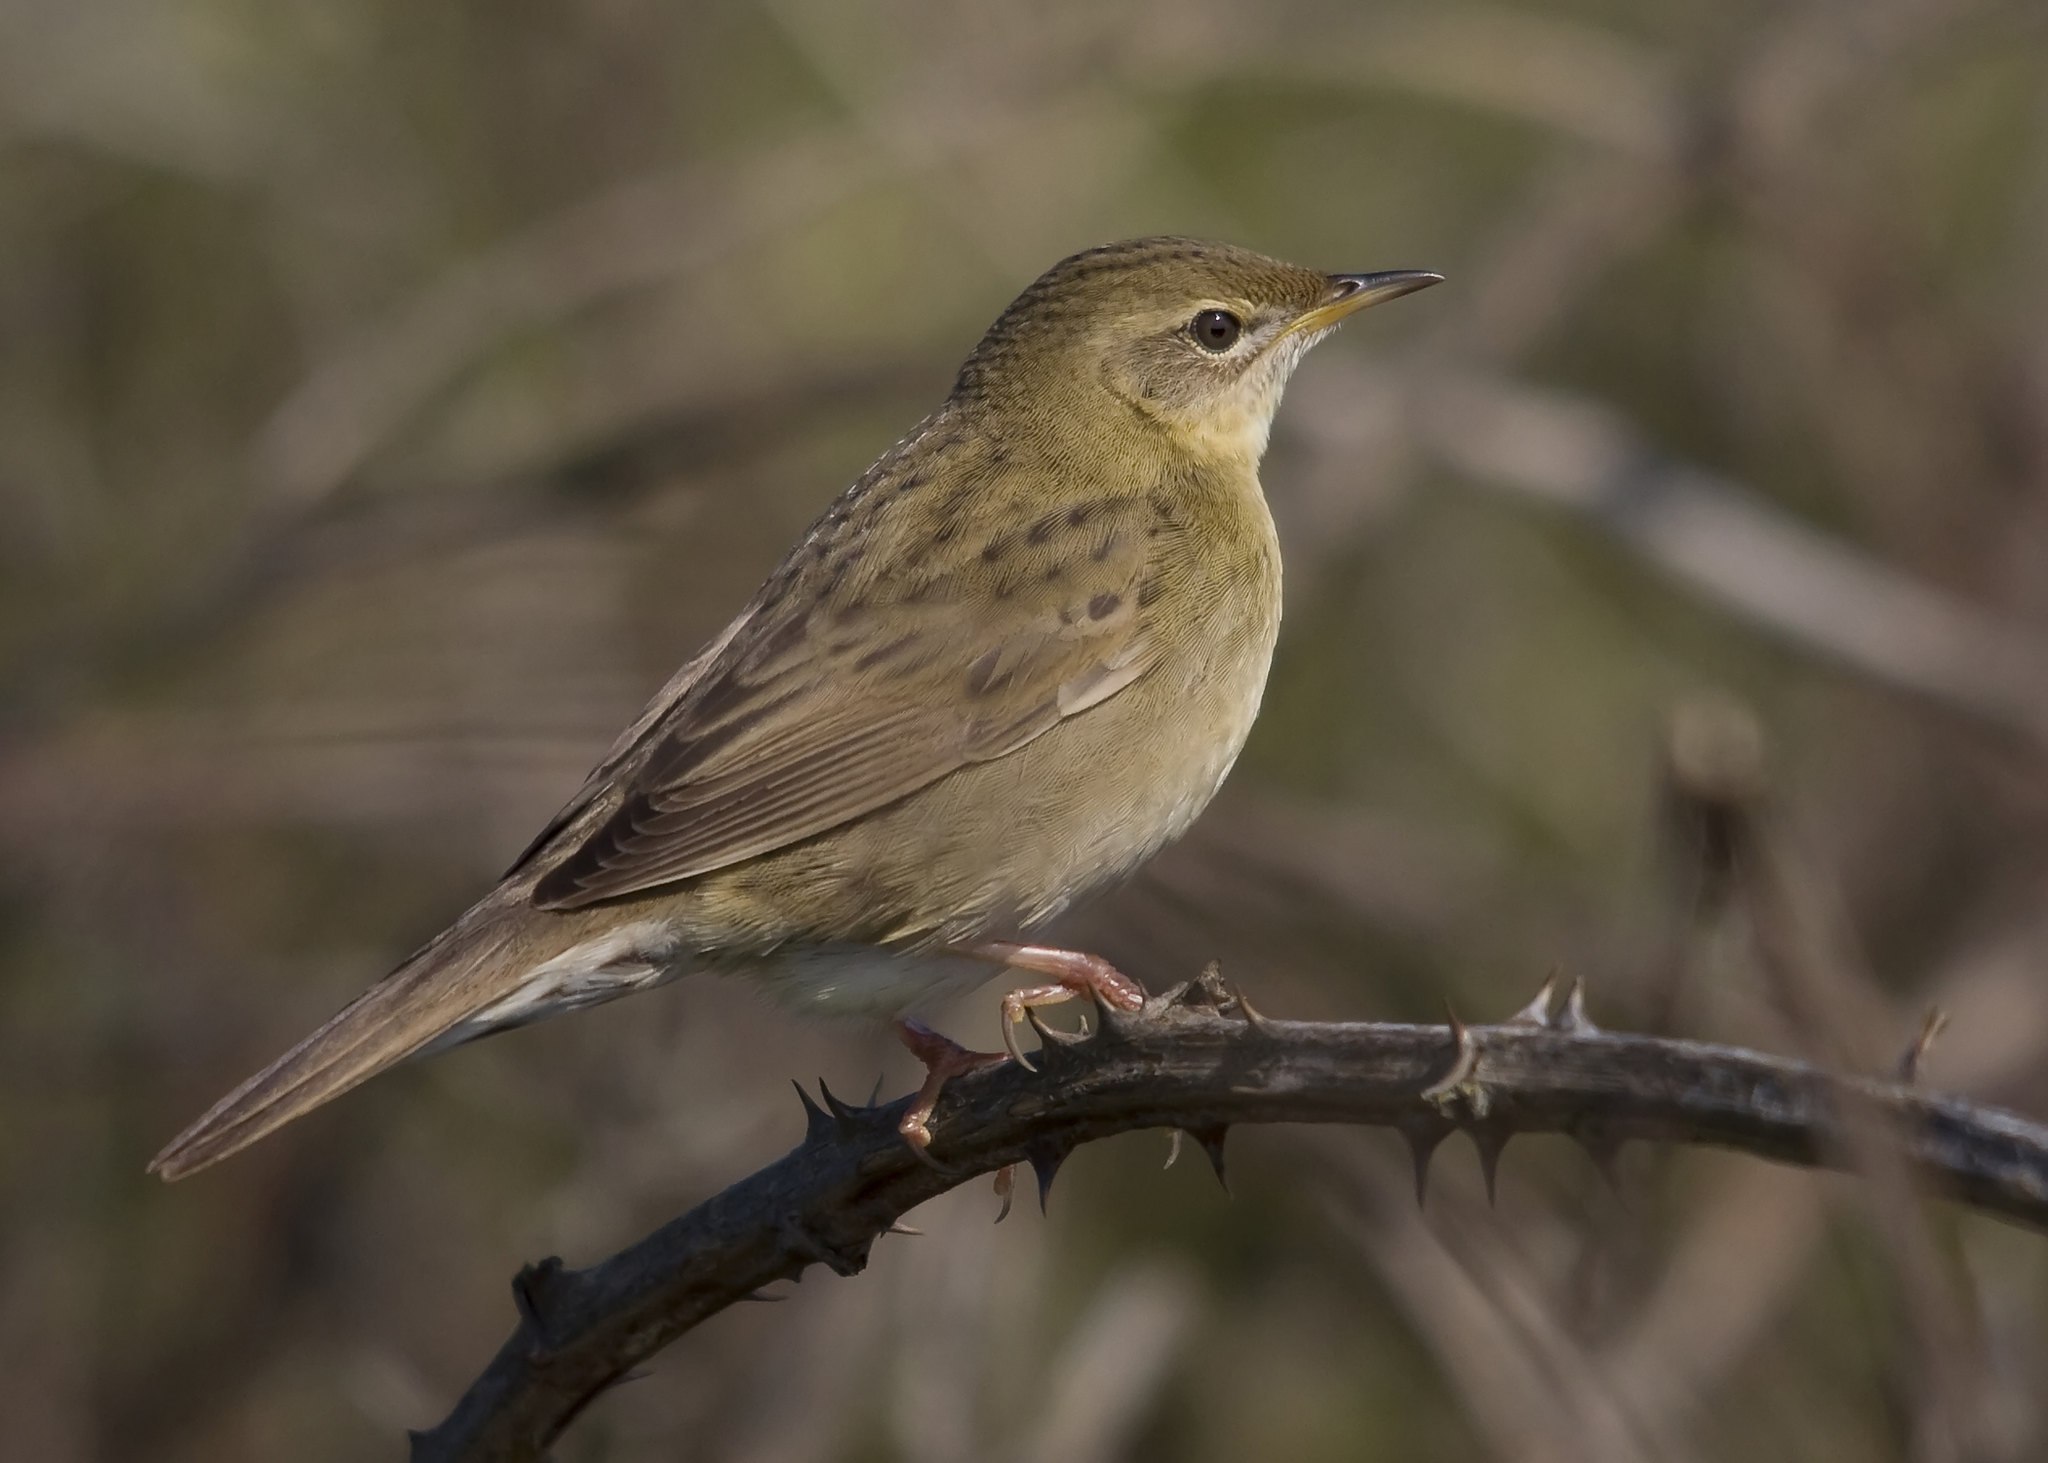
922,1151
1072,974
1013,1017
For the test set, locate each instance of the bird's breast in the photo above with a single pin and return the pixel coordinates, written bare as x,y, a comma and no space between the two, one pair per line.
998,847
1103,791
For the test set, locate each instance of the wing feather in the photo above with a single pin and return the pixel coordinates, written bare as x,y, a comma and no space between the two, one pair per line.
843,692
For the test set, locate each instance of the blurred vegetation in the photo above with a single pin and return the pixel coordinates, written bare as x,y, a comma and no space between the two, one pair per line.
391,395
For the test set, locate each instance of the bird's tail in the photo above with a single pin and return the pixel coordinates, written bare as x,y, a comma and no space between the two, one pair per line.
436,990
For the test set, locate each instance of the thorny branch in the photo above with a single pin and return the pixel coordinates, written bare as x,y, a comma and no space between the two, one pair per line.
1198,1059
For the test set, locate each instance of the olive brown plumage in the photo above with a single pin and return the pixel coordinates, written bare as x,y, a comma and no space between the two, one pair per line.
1008,664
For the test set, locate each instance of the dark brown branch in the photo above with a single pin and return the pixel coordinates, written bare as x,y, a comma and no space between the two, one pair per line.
1195,1059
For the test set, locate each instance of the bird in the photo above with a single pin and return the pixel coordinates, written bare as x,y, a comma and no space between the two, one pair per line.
1010,662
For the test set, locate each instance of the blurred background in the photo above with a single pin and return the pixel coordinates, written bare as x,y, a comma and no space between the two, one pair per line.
391,395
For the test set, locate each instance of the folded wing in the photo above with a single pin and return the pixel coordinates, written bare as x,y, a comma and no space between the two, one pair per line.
841,694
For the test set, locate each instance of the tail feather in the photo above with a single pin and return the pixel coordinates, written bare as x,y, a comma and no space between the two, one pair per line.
434,991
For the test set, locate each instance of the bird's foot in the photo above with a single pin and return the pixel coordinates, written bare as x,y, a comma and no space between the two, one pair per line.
1073,974
943,1058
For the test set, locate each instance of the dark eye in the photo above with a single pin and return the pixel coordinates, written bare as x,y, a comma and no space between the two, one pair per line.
1215,330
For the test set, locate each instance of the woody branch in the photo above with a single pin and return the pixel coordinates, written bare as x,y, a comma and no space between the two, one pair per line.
1200,1060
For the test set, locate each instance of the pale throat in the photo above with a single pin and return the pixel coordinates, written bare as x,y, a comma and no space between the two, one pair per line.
1236,435
1237,428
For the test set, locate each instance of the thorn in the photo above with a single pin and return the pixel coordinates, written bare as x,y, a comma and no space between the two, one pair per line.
1537,1012
1604,1149
530,1297
1174,1136
1423,1135
1114,1027
1210,1141
1045,1162
1207,990
1052,1042
1006,1185
1490,1141
897,1226
801,1242
875,1093
1574,1018
818,1125
1253,1017
1464,1062
1931,1026
845,1117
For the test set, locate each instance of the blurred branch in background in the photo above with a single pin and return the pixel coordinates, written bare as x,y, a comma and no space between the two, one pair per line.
1722,539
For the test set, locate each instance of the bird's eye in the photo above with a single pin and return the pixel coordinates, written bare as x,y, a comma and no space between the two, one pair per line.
1215,330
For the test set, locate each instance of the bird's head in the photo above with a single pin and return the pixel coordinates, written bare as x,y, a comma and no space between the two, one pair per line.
1190,338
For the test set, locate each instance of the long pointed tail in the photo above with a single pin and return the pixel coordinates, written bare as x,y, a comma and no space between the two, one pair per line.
446,982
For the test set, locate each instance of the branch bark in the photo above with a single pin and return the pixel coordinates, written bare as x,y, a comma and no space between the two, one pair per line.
1198,1059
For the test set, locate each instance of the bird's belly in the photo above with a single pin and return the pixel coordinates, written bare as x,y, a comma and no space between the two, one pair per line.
1001,848
841,978
1158,770
1005,850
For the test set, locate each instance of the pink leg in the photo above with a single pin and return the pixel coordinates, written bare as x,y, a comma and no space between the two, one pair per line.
942,1058
1073,974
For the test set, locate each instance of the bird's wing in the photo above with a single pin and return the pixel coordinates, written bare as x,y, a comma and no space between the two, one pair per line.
890,650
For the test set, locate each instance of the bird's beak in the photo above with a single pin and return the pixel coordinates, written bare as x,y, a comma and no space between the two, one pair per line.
1350,293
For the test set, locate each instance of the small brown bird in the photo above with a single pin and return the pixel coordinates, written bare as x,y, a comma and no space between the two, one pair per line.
1009,663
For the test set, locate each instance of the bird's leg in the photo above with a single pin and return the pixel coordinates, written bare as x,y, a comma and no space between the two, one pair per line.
1073,973
942,1058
